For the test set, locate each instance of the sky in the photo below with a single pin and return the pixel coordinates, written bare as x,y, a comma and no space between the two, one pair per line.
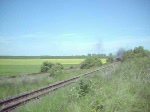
73,27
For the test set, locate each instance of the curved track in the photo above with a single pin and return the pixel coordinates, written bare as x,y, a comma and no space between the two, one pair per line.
12,103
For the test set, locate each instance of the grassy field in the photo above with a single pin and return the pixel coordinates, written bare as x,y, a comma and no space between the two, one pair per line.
15,86
12,70
11,67
124,88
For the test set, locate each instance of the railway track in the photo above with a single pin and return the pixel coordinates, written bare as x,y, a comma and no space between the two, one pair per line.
14,102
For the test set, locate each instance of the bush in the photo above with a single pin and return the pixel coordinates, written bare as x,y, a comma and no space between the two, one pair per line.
46,66
71,67
90,62
60,65
56,69
109,60
84,87
137,52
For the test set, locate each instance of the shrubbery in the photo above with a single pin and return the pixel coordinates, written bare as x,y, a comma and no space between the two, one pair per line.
137,52
109,60
56,69
71,67
91,62
53,69
46,66
84,87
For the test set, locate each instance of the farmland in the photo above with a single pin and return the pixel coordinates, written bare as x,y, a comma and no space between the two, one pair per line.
124,88
11,67
24,83
121,87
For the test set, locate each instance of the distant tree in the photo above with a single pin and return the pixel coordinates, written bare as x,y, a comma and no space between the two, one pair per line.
91,62
140,52
93,54
109,60
46,66
137,52
56,70
110,55
89,55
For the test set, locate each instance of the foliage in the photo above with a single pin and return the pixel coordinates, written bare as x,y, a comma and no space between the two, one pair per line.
123,88
56,69
137,52
71,67
90,62
46,66
84,87
53,57
24,83
109,60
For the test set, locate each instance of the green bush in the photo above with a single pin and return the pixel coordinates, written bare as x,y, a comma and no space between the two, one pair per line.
56,70
71,67
60,65
109,60
90,62
137,52
84,87
51,67
46,66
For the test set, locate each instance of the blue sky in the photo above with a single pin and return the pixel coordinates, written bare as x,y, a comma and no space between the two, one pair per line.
73,27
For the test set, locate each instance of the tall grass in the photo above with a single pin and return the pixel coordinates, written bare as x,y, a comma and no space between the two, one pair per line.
14,70
25,83
123,88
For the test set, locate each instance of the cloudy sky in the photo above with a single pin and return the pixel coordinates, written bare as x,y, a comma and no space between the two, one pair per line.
73,27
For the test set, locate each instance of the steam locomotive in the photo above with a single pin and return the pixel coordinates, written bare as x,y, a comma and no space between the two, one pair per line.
118,59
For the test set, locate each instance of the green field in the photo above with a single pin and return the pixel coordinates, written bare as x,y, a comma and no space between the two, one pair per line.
13,86
11,67
122,88
12,70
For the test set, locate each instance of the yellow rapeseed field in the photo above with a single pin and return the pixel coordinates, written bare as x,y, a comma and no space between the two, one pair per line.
40,61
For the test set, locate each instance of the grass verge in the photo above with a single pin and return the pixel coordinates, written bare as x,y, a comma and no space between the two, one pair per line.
118,89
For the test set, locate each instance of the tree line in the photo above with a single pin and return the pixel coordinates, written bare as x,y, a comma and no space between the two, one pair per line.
54,57
124,55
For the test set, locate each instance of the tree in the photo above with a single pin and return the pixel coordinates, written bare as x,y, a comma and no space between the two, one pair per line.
137,52
91,62
109,60
56,70
110,55
46,66
89,55
84,87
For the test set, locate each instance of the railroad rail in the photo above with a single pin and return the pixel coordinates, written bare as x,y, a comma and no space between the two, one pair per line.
10,104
